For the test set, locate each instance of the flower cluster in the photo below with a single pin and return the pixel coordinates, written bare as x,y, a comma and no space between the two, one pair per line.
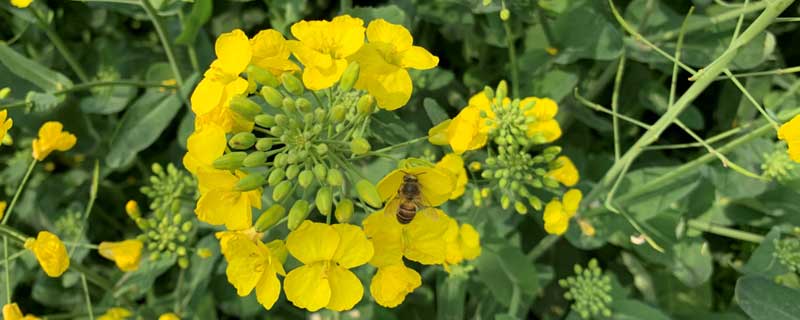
590,290
787,251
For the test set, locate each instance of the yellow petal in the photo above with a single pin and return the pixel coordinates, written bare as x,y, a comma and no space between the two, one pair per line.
391,284
543,109
126,254
169,316
436,184
245,265
390,184
204,146
50,252
51,137
482,102
206,96
312,242
385,233
572,200
470,241
424,237
392,90
454,254
5,124
566,172
11,311
454,165
354,249
548,129
268,290
438,134
209,178
315,78
115,313
233,51
21,3
464,129
348,33
555,219
790,132
346,289
380,30
308,287
271,52
226,207
419,58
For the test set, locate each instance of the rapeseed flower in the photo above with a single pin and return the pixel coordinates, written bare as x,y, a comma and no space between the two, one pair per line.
463,243
21,3
203,147
384,61
392,283
51,137
436,185
271,52
543,113
564,172
11,311
169,316
252,265
221,203
2,209
50,252
454,164
324,46
790,132
116,313
327,253
467,131
126,254
558,214
5,124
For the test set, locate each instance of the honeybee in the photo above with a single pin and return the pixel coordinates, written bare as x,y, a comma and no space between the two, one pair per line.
408,201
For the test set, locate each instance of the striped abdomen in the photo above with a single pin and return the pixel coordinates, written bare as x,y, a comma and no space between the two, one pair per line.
406,212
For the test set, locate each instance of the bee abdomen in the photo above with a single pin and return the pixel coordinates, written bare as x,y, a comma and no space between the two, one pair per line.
406,213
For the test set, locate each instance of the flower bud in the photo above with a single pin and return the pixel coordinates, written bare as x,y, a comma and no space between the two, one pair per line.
282,120
242,140
505,201
504,14
281,190
264,144
288,105
550,182
321,148
250,182
488,92
280,160
186,226
292,171
303,104
319,114
359,146
344,211
305,178
365,104
255,159
183,262
297,214
368,193
262,76
335,177
474,166
320,171
270,217
131,208
535,202
273,96
265,120
324,200
245,107
338,113
292,84
476,197
230,161
502,92
349,77
520,207
276,176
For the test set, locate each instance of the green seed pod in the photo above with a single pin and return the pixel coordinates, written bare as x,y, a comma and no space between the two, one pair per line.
242,140
255,159
365,104
288,105
303,104
264,144
520,207
292,84
368,193
359,146
305,178
276,176
324,200
344,211
265,120
262,76
292,171
250,182
297,214
349,77
338,113
230,161
281,190
320,171
245,107
273,96
270,217
335,177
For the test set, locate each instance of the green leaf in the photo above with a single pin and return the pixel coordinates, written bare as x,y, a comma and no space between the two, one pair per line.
44,78
390,13
451,292
502,266
201,12
763,262
583,32
109,100
762,299
138,282
635,310
434,111
652,203
692,261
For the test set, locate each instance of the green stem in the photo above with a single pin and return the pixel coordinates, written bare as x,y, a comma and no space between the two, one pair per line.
19,191
177,306
512,59
60,46
190,48
7,266
162,35
513,306
543,245
86,296
704,24
615,104
92,84
16,255
763,73
597,107
709,227
392,147
92,198
7,231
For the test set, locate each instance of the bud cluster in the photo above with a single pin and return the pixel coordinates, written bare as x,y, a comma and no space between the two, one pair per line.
787,251
778,165
590,290
510,123
168,185
517,173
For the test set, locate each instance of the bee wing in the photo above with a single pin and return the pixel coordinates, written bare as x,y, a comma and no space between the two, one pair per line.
424,206
392,206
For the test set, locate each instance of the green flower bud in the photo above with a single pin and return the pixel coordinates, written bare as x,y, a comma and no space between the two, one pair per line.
292,171
292,84
255,159
502,92
262,76
344,211
265,120
305,178
272,96
520,207
540,171
359,146
230,161
288,105
245,107
338,113
270,217
264,144
186,226
505,201
242,140
250,182
303,104
535,202
276,176
297,214
320,171
183,262
476,197
335,177
155,255
308,118
324,200
280,160
282,120
321,148
281,190
365,104
368,193
349,77
550,182
319,114
276,131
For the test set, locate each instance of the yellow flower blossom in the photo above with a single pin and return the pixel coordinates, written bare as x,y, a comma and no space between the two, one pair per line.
50,252
323,47
220,202
327,253
565,172
468,130
21,3
557,214
384,61
132,209
169,316
392,283
11,311
436,185
438,134
116,313
454,164
51,137
463,243
252,265
271,52
203,147
544,111
790,132
125,254
2,209
5,123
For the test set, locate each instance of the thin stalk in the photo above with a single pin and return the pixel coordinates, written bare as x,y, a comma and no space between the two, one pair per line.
763,73
12,233
86,296
92,84
709,227
751,99
7,266
513,306
21,186
543,245
615,104
178,287
60,46
90,204
190,48
16,255
162,35
722,17
133,2
597,107
718,137
788,19
392,147
512,58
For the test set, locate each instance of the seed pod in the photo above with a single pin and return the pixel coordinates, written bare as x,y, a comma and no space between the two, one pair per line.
320,171
324,200
292,171
273,96
276,176
305,178
365,104
255,159
359,146
262,76
264,144
335,177
368,193
281,190
242,140
292,84
349,77
230,161
338,113
245,107
344,211
270,217
250,182
297,214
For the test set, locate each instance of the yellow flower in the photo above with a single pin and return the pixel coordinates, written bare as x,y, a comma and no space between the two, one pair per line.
454,164
132,209
203,147
116,313
50,252
557,214
271,53
392,283
21,3
52,138
252,265
467,131
384,61
438,134
126,254
2,209
436,185
462,243
790,132
323,47
327,252
5,123
169,316
11,311
544,111
565,172
220,202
